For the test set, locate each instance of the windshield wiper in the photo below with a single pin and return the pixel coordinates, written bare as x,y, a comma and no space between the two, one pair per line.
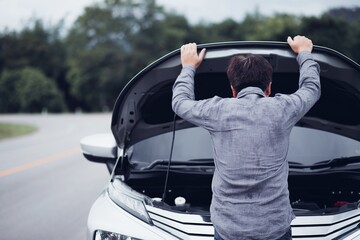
193,162
333,163
337,162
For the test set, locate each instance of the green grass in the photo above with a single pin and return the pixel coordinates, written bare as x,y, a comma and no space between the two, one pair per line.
8,130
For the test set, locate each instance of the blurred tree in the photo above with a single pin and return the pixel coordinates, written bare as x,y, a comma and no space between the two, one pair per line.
9,102
38,47
227,30
351,15
348,20
167,33
36,92
98,48
328,31
275,28
29,90
111,42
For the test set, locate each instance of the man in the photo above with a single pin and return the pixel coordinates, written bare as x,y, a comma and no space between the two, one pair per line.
250,135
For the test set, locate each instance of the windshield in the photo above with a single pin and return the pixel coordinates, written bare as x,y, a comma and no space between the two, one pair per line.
307,146
190,143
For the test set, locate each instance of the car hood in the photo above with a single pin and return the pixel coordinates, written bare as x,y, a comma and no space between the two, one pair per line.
143,108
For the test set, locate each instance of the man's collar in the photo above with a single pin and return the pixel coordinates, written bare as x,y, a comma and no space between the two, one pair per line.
250,90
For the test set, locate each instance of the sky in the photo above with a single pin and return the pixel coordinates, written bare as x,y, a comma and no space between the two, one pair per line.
15,14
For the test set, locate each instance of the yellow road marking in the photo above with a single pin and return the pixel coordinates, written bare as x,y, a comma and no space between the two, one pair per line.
38,162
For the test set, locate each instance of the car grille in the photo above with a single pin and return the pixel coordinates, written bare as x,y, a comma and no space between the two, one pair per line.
181,225
196,227
325,226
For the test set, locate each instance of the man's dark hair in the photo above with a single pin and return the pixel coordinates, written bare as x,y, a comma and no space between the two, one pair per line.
249,71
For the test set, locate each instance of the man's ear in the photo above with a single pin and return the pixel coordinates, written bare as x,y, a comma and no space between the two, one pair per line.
233,91
268,90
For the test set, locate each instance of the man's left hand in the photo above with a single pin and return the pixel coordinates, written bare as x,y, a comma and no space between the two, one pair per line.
189,55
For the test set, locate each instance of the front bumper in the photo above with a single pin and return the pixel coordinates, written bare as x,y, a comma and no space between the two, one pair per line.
107,216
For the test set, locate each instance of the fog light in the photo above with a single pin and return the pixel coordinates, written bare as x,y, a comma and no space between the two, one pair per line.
103,235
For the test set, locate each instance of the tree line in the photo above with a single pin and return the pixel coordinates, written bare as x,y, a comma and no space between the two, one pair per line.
85,69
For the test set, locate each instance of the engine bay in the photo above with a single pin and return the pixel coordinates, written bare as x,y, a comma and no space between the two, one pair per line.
323,192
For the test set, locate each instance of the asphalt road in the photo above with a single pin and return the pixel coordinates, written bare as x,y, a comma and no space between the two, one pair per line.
46,185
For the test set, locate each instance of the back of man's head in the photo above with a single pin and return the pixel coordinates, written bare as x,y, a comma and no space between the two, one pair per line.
249,71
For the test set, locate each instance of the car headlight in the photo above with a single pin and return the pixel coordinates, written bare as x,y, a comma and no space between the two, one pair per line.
103,235
129,200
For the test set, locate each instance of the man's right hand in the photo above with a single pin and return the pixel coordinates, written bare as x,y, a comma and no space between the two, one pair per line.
300,43
189,55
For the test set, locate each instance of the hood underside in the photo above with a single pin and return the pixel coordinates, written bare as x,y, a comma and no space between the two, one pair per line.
143,108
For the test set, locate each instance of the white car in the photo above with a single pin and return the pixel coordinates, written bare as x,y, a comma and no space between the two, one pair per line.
161,166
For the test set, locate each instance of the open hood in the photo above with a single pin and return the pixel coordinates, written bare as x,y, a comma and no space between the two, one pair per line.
143,108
